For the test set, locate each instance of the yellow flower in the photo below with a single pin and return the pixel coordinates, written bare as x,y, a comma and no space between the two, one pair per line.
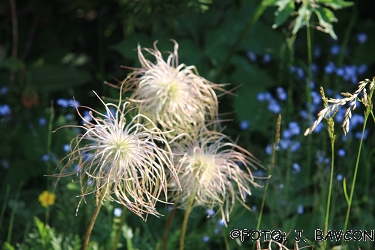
47,199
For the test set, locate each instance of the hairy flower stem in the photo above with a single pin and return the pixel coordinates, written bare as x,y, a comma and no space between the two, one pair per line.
163,245
92,222
118,233
186,218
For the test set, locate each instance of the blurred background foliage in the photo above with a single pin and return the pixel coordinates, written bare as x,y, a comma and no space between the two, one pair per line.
63,49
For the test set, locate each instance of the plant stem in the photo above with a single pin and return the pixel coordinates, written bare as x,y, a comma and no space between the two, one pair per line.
91,225
186,218
118,233
168,225
11,222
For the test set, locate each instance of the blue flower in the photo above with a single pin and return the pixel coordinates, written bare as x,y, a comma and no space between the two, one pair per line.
341,152
314,68
244,125
269,149
266,58
251,56
335,50
42,121
296,168
4,90
355,120
300,73
254,208
74,103
340,177
66,148
287,134
210,211
294,128
62,103
86,117
362,38
300,209
316,98
4,163
281,93
358,135
330,68
117,212
362,69
45,157
318,128
293,69
261,97
340,71
274,107
294,146
221,222
206,238
69,117
317,51
5,110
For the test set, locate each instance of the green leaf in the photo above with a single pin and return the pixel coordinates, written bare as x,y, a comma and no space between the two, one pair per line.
12,64
335,4
286,7
326,17
300,20
50,78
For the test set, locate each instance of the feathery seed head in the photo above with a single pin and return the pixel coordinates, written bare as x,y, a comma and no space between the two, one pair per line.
121,159
173,95
208,169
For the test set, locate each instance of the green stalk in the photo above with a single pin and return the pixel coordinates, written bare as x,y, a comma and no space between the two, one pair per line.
118,232
4,205
258,12
369,107
277,139
168,225
11,222
186,218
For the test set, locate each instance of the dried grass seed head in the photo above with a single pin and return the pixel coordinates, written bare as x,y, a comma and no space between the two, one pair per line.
121,160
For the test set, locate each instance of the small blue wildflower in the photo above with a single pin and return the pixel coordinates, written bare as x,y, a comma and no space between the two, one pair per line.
281,93
294,146
281,186
266,58
244,125
300,73
300,209
318,128
274,107
283,202
362,69
317,51
261,97
268,97
314,68
335,50
254,208
86,117
287,134
4,163
117,212
362,38
210,212
62,103
296,168
293,69
341,152
206,238
358,135
340,71
312,84
294,128
221,222
355,120
269,149
4,90
340,177
217,230
89,182
74,103
66,148
350,73
330,68
5,110
251,56
42,121
69,117
304,114
316,98
284,144
339,117
45,157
